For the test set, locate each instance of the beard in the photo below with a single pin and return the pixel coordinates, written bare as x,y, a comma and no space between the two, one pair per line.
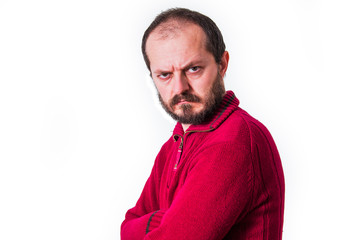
211,102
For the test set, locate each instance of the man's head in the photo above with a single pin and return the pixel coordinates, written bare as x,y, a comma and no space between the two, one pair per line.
186,56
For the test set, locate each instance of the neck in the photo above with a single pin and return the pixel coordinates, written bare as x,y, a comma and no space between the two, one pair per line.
185,126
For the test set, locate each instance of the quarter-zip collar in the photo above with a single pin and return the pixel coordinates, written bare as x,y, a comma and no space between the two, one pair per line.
227,106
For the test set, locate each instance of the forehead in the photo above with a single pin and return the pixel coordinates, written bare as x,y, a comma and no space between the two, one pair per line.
175,38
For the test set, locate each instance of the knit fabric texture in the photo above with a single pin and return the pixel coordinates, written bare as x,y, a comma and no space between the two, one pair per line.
222,179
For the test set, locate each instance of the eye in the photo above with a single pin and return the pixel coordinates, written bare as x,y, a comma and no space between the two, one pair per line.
194,69
164,76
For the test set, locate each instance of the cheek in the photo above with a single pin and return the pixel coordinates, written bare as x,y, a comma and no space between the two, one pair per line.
165,91
203,87
164,94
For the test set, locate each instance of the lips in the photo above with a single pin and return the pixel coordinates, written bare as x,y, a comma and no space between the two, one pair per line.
183,101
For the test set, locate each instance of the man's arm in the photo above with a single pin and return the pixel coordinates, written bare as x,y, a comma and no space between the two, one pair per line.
137,226
216,193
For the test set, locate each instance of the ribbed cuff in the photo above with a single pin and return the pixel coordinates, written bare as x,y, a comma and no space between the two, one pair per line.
154,220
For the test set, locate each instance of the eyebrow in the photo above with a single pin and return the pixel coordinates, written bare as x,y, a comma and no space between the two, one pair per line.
187,66
193,63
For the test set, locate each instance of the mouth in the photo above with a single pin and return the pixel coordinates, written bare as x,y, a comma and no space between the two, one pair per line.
182,101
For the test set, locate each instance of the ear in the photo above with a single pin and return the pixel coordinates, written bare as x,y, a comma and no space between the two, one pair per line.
224,63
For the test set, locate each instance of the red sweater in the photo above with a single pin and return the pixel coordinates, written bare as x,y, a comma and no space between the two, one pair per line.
219,180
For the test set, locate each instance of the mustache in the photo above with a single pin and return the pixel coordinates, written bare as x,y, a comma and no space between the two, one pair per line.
184,97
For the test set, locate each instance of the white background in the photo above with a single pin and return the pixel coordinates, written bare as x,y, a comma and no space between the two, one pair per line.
80,125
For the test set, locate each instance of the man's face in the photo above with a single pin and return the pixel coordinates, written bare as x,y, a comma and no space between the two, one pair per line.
188,80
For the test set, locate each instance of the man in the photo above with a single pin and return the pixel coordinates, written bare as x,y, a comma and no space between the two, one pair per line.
219,176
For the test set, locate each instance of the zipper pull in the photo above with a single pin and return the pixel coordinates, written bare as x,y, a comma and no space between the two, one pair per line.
178,155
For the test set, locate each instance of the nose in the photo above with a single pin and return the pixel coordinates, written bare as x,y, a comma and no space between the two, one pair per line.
181,83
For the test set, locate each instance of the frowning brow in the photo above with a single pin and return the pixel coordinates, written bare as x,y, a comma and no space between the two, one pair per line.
185,67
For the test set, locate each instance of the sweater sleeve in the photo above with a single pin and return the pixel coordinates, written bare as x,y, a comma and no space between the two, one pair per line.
137,226
216,192
146,214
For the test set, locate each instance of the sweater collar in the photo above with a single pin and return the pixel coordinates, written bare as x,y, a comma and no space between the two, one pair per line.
227,106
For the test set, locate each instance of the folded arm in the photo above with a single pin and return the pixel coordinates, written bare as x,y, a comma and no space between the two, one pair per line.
217,190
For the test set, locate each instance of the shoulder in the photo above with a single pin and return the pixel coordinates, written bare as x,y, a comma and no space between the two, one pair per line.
240,129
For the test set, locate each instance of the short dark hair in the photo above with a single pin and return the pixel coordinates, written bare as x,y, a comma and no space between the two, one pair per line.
214,40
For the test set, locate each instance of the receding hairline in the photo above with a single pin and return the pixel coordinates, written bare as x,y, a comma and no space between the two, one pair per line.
172,27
